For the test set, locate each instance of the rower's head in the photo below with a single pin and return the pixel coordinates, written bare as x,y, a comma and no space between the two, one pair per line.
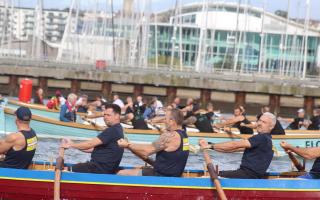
115,97
39,91
139,99
176,101
112,114
210,107
72,99
129,100
316,111
301,113
266,122
174,119
189,101
23,116
238,110
265,109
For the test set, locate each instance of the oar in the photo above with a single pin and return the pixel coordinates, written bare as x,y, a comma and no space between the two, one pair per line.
98,127
57,177
214,175
296,162
145,159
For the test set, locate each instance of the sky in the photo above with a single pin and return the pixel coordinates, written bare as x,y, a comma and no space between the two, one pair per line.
297,7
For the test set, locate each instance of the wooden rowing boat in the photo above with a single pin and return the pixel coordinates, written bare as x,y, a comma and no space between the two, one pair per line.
47,127
37,183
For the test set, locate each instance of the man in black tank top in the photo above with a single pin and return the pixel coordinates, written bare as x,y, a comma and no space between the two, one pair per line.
20,147
237,121
171,149
257,149
307,153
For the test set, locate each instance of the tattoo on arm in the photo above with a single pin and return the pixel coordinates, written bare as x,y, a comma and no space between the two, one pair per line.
164,139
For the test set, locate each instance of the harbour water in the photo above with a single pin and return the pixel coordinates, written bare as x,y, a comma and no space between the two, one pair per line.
48,150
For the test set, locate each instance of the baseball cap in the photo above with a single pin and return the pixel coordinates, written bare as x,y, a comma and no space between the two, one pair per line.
23,113
300,110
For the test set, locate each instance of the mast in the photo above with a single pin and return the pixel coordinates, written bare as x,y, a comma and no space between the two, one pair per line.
173,39
262,51
306,29
203,36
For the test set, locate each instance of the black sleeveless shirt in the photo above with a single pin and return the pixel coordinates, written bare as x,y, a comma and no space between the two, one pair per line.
21,159
203,123
243,129
173,163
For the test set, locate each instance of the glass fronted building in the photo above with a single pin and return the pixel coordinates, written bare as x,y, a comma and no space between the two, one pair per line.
227,36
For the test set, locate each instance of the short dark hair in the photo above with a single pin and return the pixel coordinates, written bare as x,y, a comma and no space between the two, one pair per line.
177,115
115,108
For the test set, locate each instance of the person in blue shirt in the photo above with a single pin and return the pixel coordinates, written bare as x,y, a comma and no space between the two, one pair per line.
150,111
68,110
106,154
257,154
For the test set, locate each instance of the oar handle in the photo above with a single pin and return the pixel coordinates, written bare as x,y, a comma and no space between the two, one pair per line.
145,159
296,162
214,175
57,177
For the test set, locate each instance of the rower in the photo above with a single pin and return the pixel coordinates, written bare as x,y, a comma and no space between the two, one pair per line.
298,122
277,130
118,101
136,116
238,121
257,154
56,101
171,149
307,153
201,121
68,110
314,123
20,147
38,99
105,151
82,104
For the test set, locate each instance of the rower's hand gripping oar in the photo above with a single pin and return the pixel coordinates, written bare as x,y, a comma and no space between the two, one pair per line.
59,167
293,159
145,159
213,174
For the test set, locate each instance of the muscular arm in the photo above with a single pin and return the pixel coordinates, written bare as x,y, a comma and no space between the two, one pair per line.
252,125
232,146
230,122
87,145
190,120
8,142
308,153
167,141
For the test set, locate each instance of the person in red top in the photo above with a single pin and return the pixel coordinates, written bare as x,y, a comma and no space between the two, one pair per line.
54,102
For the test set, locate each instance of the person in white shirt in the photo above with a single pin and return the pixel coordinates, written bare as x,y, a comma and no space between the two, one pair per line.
118,101
159,105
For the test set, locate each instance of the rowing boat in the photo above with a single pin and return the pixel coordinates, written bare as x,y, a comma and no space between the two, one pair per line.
42,110
47,127
37,183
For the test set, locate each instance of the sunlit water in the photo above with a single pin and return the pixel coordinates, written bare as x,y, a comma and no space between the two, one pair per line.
48,150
